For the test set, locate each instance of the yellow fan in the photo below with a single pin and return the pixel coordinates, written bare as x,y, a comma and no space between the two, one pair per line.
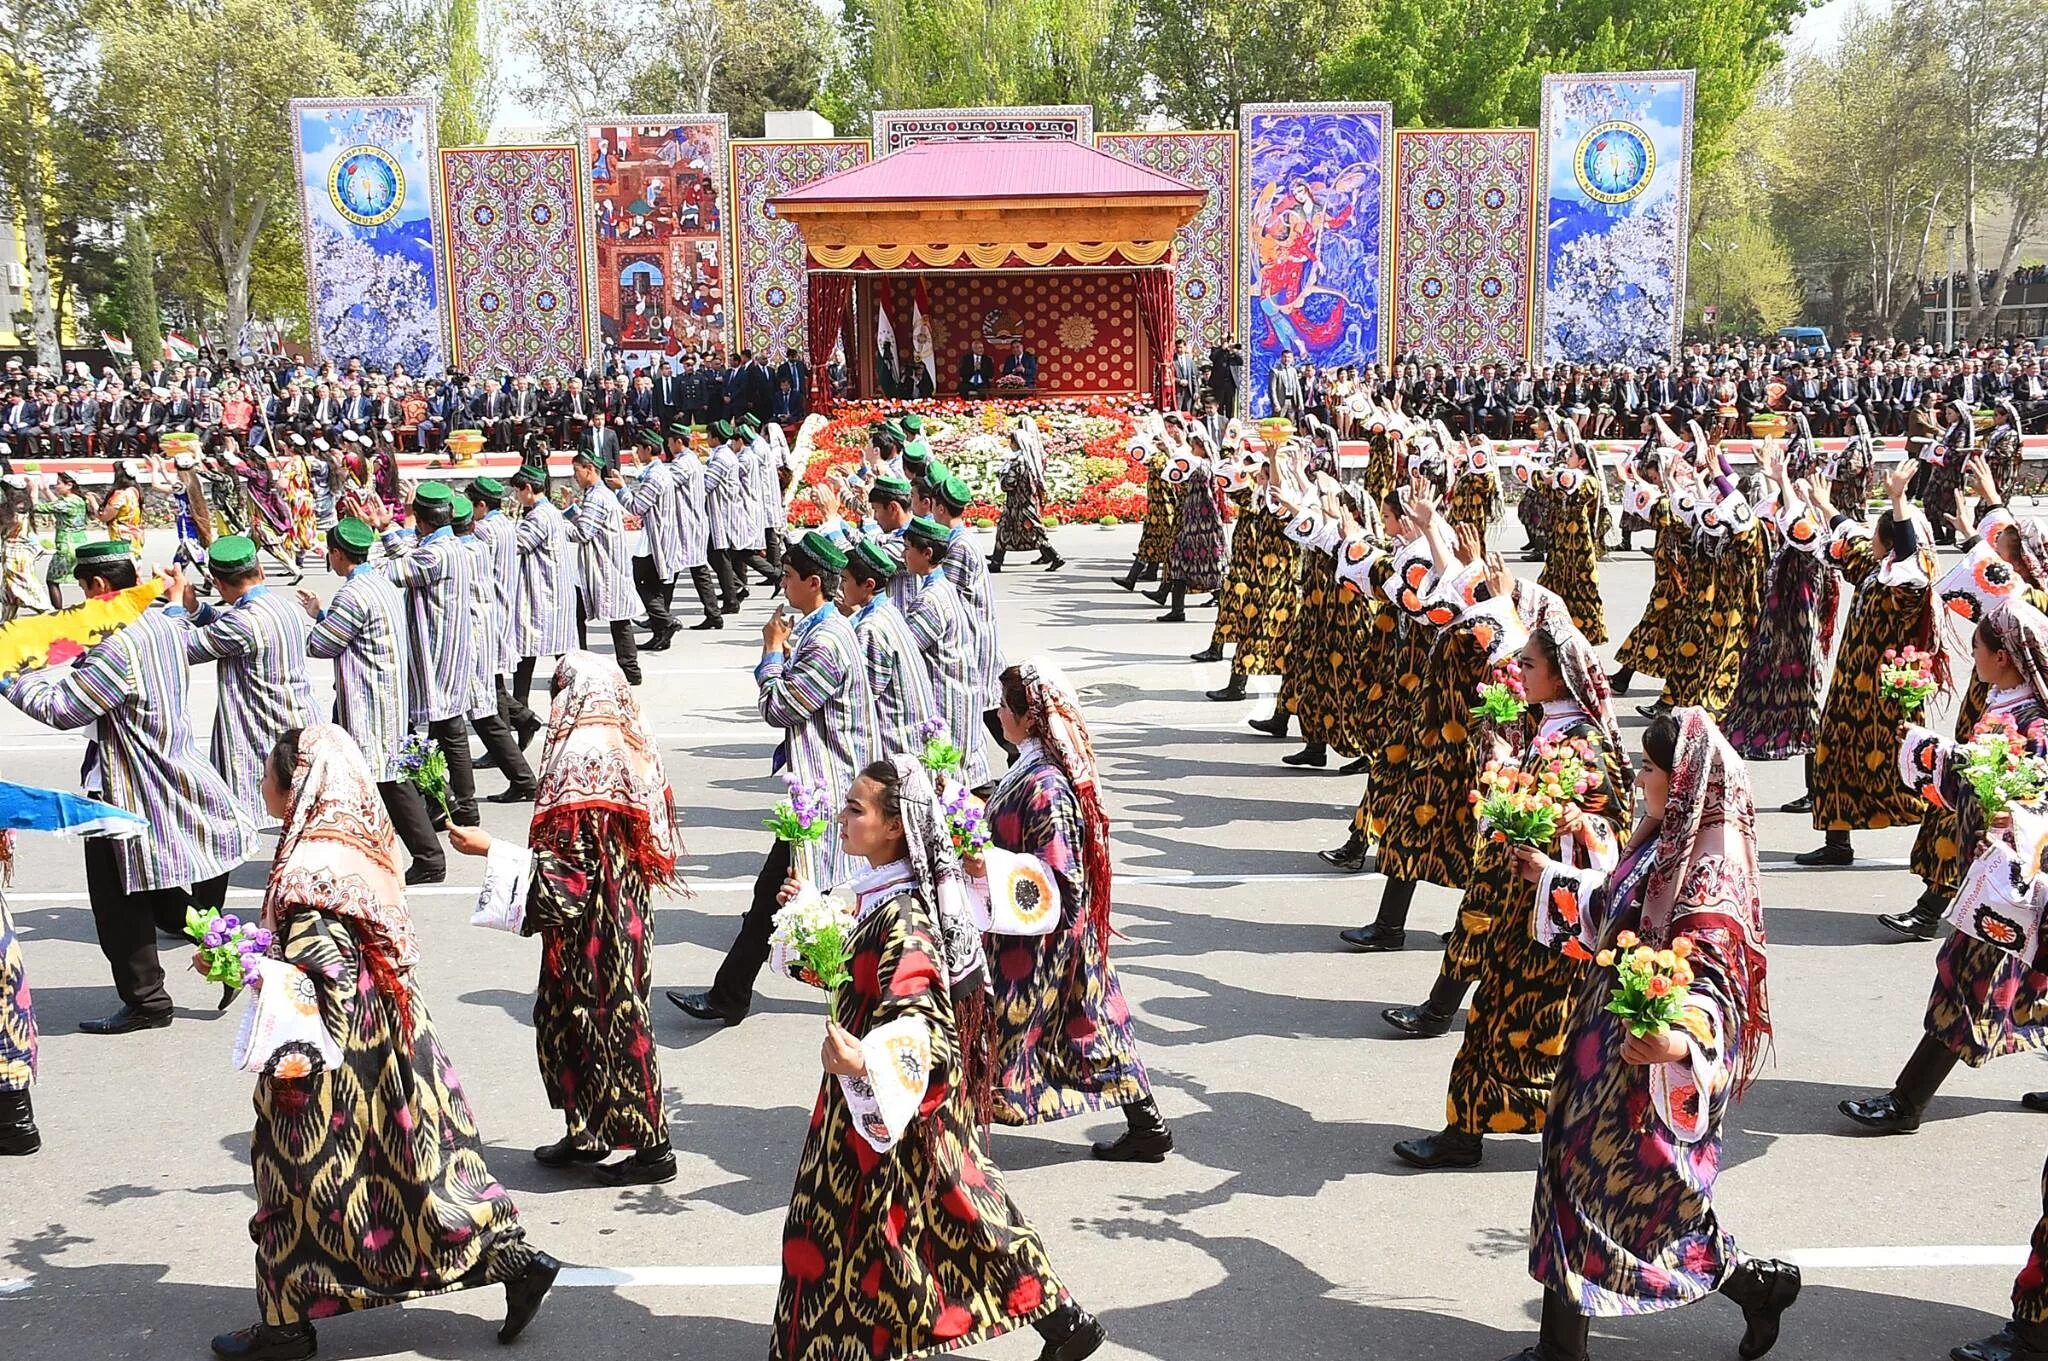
44,640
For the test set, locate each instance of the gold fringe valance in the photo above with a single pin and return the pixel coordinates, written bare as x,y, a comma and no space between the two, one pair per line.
994,255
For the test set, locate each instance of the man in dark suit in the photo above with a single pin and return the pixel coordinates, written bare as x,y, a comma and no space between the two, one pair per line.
1226,375
668,392
600,440
977,370
1187,379
1021,364
796,372
1283,388
694,392
573,412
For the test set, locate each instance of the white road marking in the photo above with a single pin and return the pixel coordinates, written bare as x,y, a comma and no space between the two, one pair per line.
671,1276
1888,1259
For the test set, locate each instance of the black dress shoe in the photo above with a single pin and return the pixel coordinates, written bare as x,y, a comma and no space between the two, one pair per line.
1765,1288
524,1292
640,1169
1654,709
1211,653
1374,939
2035,1101
1171,617
125,1020
1445,1148
514,794
263,1342
1921,921
1418,1021
566,1152
710,621
1802,804
660,641
1056,563
1083,1340
1315,756
1886,1114
1826,855
2013,1342
700,1005
1276,726
1234,690
417,874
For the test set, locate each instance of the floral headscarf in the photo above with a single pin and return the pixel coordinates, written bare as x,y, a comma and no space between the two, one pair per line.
1703,872
2020,630
1053,713
338,855
600,763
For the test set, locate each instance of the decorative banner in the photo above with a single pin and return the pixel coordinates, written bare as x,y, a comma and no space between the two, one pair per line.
1316,236
1464,245
1205,251
1617,170
366,199
656,239
1081,326
897,129
773,307
512,233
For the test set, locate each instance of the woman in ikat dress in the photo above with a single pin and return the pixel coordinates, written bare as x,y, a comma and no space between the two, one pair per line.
1624,1220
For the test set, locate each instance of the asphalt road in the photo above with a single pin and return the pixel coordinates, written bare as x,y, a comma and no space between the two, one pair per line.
1282,1226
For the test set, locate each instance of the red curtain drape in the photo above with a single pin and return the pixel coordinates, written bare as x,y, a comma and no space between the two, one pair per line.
829,295
1155,311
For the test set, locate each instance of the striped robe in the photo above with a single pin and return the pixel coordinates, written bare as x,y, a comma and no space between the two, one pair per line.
733,522
498,530
693,524
440,633
938,620
764,484
483,619
656,499
965,567
897,676
817,693
604,561
363,630
260,643
903,586
544,606
132,687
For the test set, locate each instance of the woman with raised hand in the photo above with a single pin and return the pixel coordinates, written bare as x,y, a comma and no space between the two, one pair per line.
371,1184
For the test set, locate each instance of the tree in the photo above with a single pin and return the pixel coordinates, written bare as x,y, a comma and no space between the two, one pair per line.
1206,57
206,82
138,294
575,63
42,49
1458,64
1739,263
467,96
737,57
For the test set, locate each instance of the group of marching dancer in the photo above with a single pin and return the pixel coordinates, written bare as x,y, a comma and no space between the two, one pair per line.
1388,619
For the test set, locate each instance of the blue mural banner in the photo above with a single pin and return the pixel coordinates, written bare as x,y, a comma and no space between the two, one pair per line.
1617,177
1313,191
367,194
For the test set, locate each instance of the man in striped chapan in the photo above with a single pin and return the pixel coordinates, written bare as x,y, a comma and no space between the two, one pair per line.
604,564
544,605
813,684
967,569
131,688
258,638
363,630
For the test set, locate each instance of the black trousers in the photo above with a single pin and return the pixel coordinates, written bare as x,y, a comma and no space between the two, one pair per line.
127,923
625,646
728,580
733,988
414,823
655,594
513,710
774,540
495,732
738,562
708,594
451,735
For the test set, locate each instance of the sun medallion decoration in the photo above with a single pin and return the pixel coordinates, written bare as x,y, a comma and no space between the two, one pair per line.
1077,333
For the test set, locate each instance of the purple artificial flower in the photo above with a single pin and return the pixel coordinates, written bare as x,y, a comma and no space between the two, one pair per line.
214,940
230,922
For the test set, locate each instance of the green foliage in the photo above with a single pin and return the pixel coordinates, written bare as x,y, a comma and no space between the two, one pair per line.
948,53
465,92
138,291
1206,57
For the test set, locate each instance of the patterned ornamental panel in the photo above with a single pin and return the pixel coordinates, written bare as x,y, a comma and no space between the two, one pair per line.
1464,244
768,253
1205,251
512,227
1081,325
896,129
656,236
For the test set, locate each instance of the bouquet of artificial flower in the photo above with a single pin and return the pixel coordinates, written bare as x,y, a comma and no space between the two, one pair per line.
1514,809
1502,699
1906,677
809,938
422,765
1564,767
965,821
1998,766
941,754
1649,985
229,945
802,820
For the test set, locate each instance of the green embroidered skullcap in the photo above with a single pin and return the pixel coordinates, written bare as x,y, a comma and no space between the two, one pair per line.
889,487
588,458
101,553
932,473
750,420
532,476
913,422
432,494
953,492
891,430
461,507
722,429
681,429
876,558
923,529
652,439
351,534
822,551
231,553
489,486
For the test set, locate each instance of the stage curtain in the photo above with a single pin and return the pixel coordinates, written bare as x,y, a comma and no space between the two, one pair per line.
1155,310
992,256
829,296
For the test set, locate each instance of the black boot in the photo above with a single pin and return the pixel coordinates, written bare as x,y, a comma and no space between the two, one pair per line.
1211,653
2016,1341
1835,851
1436,1013
1921,921
1448,1147
1234,690
1146,1141
1315,756
995,559
263,1342
1158,597
1358,765
1388,931
524,1293
647,1167
1564,1333
1176,612
1049,559
1070,1332
1276,726
1765,1288
1898,1111
18,1134
1804,803
1129,580
1618,682
1349,857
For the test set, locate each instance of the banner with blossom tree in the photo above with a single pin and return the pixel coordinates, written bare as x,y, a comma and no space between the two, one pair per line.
1616,177
367,195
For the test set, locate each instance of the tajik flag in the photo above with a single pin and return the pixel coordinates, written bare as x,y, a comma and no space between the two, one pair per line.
885,329
178,348
921,334
124,348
